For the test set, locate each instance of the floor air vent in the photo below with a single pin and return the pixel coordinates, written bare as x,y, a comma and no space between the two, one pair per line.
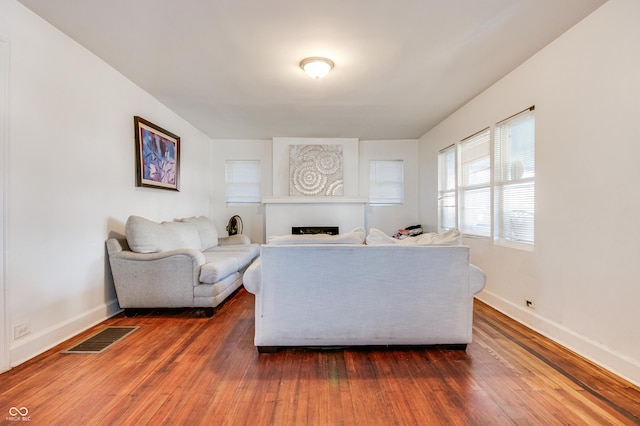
100,341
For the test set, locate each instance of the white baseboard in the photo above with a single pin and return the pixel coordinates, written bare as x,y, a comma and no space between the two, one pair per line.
26,348
618,364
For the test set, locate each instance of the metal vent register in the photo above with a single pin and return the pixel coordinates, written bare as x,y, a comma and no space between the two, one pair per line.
101,341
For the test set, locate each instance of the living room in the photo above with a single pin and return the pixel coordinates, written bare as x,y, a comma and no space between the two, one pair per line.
68,181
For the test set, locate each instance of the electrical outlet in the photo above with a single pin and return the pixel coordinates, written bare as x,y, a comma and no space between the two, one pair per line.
529,303
21,330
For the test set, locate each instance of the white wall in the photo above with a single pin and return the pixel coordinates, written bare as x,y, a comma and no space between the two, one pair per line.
583,274
70,180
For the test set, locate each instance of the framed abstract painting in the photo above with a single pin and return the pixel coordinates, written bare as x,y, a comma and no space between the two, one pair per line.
157,156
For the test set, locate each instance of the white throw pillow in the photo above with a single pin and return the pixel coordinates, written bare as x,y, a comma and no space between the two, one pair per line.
356,236
378,238
450,237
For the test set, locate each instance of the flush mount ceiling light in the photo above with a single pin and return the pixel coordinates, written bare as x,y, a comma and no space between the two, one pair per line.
316,67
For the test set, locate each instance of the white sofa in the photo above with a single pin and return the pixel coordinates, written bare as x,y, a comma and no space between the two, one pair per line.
318,295
179,264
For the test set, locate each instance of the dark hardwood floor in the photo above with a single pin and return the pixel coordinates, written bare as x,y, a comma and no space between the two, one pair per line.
181,367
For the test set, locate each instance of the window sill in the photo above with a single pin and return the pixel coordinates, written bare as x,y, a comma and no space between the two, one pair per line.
514,245
476,237
239,204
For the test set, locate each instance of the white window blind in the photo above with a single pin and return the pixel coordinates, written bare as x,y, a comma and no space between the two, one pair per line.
243,181
515,178
447,188
475,184
386,182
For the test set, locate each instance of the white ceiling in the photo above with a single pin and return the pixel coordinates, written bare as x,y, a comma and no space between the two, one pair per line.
231,67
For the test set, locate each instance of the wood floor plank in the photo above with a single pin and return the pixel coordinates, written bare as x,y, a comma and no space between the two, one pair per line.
181,367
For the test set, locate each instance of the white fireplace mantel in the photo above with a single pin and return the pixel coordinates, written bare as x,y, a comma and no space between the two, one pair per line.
315,200
283,213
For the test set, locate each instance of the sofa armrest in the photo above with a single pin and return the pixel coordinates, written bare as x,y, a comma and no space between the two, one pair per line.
196,257
234,240
252,277
150,280
116,249
477,279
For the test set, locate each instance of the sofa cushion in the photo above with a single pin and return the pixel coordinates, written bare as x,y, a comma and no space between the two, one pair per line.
146,236
218,265
357,236
206,229
450,237
234,240
242,257
251,250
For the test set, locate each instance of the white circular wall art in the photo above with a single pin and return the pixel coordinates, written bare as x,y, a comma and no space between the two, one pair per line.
315,170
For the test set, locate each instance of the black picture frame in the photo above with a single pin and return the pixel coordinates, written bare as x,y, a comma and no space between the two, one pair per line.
157,156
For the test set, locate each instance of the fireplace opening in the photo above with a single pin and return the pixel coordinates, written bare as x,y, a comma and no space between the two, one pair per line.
329,230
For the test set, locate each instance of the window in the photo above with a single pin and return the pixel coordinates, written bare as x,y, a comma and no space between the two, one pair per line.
386,182
243,181
474,183
510,188
514,188
447,188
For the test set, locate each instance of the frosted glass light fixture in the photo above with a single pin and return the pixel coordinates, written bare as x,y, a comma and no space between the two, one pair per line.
316,67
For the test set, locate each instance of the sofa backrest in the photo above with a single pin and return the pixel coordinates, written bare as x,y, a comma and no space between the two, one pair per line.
146,236
334,263
206,230
400,289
